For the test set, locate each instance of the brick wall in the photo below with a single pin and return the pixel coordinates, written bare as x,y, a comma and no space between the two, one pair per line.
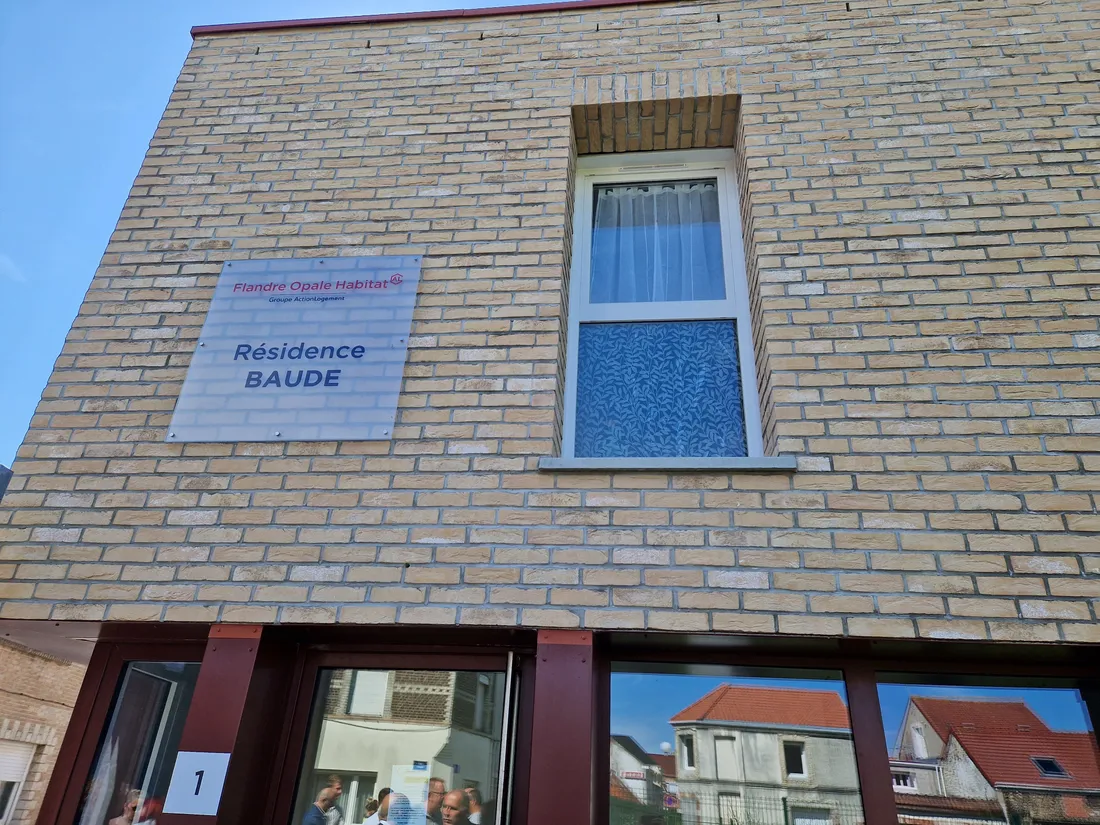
921,197
37,694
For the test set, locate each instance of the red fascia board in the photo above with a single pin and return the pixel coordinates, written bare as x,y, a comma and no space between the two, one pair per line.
412,16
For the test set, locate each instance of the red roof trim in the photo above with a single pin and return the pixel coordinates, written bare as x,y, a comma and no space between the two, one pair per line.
411,16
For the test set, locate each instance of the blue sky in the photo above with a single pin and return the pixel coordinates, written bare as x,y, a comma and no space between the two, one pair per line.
82,86
642,704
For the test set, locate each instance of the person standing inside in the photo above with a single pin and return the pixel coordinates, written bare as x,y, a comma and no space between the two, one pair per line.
318,811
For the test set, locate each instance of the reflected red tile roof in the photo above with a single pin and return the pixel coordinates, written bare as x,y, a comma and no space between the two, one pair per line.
666,762
769,706
1001,737
980,714
619,790
1004,757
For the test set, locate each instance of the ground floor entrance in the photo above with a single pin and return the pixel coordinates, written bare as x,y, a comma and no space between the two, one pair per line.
337,725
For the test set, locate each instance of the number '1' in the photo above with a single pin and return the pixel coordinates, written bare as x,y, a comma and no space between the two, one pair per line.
198,781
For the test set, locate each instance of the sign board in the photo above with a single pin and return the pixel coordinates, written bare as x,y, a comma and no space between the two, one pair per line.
300,350
197,781
412,782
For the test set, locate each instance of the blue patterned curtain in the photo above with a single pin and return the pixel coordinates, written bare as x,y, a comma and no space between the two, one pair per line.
657,242
648,390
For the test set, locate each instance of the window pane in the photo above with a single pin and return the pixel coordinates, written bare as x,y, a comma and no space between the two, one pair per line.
984,753
726,746
657,242
135,760
404,747
671,388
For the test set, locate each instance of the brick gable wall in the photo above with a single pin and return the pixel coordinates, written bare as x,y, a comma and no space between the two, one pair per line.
921,196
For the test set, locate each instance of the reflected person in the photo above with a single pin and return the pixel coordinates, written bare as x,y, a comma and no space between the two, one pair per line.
335,814
398,809
456,808
437,788
474,795
319,809
379,815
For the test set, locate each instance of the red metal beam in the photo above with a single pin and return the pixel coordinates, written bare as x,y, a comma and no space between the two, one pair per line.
563,729
872,757
218,704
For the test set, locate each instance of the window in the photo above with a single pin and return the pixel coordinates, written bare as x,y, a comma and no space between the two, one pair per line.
725,757
368,693
918,745
414,732
794,758
660,360
15,762
687,748
9,792
480,716
133,767
904,782
811,816
1049,767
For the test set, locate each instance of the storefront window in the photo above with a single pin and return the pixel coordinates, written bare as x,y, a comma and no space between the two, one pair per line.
403,747
731,746
135,759
989,753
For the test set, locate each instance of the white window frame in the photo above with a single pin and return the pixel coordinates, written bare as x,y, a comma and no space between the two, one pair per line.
805,762
686,750
655,167
17,792
912,777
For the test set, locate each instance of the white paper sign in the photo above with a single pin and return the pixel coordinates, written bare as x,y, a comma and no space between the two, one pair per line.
197,781
300,349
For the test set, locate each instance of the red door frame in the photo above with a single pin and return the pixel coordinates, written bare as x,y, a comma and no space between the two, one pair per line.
91,712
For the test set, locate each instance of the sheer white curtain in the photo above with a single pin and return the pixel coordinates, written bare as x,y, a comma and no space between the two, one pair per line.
657,242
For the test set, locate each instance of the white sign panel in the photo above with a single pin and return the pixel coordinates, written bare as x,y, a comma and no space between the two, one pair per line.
197,781
300,350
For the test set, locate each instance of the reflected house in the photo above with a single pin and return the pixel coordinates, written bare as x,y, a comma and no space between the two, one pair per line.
766,756
637,772
666,762
397,728
958,761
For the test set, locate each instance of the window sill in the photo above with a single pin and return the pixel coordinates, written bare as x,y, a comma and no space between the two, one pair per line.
751,464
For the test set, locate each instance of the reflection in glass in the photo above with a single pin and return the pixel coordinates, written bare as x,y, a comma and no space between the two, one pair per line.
134,764
403,747
990,754
742,747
